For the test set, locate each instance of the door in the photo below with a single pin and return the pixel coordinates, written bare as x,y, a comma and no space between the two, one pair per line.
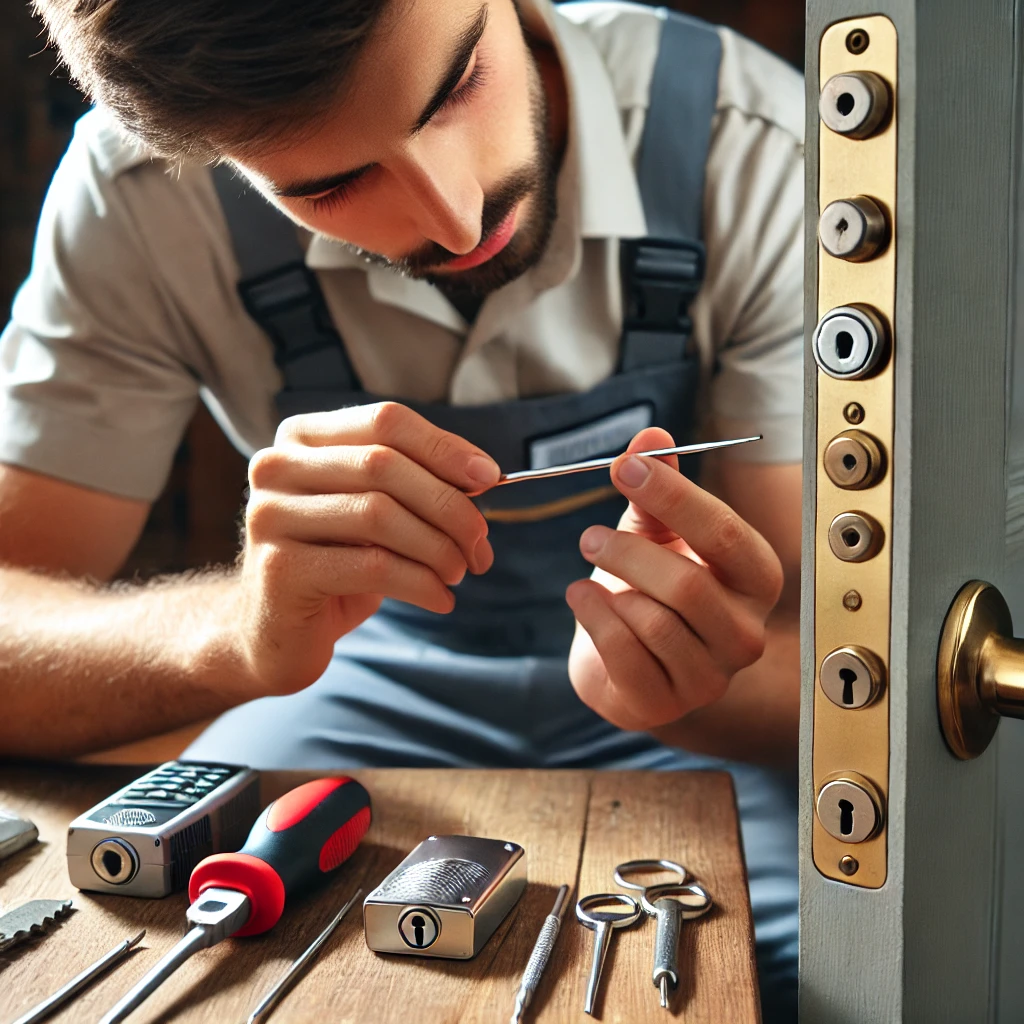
909,901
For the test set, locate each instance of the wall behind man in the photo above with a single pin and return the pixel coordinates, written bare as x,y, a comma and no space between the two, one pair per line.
194,522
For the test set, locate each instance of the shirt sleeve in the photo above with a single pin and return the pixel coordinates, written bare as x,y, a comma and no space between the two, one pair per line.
750,314
93,389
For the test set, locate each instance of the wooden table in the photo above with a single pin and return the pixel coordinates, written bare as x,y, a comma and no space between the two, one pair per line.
575,826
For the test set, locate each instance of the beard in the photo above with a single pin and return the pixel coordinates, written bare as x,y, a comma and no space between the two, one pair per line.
535,182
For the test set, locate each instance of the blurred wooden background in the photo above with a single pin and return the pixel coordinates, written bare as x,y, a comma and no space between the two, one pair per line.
194,522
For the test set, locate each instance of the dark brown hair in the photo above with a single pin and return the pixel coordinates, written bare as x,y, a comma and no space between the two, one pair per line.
193,78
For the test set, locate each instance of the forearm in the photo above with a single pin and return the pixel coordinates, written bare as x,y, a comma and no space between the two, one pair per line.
84,667
758,718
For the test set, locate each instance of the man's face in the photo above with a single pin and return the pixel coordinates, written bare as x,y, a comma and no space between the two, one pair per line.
436,158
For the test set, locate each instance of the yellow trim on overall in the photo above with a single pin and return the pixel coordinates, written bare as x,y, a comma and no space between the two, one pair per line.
550,509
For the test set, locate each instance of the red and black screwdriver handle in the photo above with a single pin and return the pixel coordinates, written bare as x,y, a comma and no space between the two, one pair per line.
296,843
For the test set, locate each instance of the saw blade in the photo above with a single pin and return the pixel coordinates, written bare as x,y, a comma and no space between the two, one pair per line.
19,924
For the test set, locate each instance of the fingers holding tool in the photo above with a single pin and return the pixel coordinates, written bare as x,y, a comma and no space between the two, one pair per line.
678,600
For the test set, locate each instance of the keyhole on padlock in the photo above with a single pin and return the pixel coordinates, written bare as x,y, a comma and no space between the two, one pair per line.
849,677
418,924
845,817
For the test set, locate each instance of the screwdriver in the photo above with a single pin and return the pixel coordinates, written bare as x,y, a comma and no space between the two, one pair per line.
297,841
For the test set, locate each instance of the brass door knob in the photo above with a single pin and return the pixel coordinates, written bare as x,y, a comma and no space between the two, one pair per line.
980,669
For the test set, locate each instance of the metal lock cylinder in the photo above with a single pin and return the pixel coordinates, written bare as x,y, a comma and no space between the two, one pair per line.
854,229
115,861
852,677
851,342
849,808
855,104
855,536
854,460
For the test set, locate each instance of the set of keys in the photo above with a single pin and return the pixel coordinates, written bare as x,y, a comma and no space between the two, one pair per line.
670,903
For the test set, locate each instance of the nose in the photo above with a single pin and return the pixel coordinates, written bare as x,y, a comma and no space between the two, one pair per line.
446,199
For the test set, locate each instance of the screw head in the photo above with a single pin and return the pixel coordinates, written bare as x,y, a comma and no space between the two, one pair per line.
854,413
852,601
848,865
857,41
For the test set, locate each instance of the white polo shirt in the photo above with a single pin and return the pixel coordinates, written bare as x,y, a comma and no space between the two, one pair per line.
130,312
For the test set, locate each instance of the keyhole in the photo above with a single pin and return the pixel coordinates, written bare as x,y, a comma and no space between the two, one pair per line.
417,924
851,538
845,817
844,344
842,226
850,462
849,677
845,103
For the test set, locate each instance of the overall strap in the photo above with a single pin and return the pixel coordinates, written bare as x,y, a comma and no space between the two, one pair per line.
280,292
661,274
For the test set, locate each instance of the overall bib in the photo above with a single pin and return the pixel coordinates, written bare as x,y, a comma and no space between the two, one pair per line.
487,685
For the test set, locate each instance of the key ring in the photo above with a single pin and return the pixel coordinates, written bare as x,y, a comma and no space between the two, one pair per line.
592,918
633,866
678,891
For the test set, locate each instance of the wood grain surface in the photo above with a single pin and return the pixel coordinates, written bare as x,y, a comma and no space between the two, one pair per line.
575,826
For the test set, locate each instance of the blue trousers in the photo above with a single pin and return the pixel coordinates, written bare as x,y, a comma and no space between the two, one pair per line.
389,700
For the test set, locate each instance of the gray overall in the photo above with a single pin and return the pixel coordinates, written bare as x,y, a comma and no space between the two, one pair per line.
487,684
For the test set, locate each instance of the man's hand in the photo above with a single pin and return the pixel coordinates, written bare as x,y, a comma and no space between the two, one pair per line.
347,508
679,599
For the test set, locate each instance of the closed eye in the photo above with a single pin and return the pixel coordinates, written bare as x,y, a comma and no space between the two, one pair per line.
459,96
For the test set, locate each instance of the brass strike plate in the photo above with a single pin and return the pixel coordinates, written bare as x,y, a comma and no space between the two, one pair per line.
852,599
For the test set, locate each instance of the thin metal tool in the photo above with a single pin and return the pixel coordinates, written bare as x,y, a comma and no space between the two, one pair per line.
670,905
539,957
584,467
80,981
603,923
273,997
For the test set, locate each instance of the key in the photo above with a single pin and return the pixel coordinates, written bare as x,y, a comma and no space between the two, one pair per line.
603,923
670,905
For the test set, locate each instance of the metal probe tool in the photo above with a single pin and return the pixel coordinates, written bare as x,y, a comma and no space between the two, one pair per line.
79,981
297,842
584,467
538,958
273,997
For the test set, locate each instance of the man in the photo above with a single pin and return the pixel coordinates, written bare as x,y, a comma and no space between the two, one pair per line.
465,178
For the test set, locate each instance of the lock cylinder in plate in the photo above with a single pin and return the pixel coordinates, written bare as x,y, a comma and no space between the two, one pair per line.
849,808
854,460
855,104
852,677
854,229
851,342
855,537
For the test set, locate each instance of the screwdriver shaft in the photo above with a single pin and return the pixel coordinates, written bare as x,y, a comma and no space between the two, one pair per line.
196,939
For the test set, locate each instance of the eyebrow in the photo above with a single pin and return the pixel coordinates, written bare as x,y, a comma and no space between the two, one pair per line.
456,68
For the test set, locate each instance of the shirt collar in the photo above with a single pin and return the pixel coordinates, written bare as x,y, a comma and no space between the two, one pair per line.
598,192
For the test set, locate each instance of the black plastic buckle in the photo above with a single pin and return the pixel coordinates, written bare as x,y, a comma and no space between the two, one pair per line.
288,304
661,277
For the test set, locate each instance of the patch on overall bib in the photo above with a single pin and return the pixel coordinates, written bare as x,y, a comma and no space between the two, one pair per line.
608,435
